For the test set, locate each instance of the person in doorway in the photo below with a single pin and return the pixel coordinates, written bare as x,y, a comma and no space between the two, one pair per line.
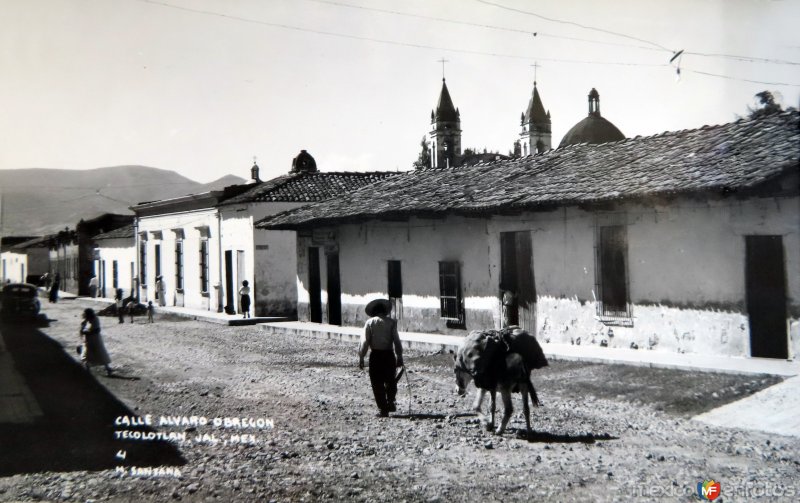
93,286
161,291
381,338
54,288
120,305
244,298
93,351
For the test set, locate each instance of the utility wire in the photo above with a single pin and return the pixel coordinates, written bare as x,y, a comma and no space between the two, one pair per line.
388,42
585,27
750,59
480,25
467,51
740,79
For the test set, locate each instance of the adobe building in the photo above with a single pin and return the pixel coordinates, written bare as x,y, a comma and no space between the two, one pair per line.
686,241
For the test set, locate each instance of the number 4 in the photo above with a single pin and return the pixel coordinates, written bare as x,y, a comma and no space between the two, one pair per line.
122,454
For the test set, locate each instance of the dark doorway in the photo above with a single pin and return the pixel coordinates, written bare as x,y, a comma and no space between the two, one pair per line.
314,286
334,290
229,282
158,260
517,280
102,278
613,264
395,287
765,284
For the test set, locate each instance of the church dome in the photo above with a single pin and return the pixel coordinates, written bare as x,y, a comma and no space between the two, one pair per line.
304,163
593,129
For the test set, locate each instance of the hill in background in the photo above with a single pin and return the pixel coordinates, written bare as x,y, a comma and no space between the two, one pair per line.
41,201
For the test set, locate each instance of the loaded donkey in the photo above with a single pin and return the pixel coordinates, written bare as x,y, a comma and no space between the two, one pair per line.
499,360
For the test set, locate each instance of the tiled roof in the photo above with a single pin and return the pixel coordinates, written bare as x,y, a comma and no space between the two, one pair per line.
125,232
41,241
718,159
308,187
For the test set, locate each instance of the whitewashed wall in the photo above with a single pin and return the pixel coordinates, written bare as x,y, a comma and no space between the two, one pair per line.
270,257
191,223
686,264
124,252
13,267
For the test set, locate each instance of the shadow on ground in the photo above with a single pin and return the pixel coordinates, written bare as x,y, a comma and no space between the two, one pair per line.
76,431
560,438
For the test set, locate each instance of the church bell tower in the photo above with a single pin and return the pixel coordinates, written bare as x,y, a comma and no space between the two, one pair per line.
445,134
535,136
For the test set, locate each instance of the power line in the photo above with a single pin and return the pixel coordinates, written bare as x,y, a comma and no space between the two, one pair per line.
585,27
461,51
749,59
388,42
535,33
740,79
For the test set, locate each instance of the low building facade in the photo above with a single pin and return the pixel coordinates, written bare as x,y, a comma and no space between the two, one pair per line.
115,262
685,242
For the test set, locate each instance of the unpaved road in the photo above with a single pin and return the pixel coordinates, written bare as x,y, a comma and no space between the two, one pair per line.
605,432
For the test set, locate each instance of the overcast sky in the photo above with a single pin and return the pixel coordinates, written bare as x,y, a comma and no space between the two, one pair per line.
202,86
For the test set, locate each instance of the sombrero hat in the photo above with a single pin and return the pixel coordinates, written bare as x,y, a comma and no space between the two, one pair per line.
370,309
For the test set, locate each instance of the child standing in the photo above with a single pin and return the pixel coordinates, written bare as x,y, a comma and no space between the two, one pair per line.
244,291
150,310
120,309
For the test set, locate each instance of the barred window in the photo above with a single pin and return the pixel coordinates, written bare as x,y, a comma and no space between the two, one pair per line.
204,265
179,264
115,274
143,263
452,306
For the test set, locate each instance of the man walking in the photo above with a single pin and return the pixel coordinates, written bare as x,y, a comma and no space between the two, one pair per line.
381,337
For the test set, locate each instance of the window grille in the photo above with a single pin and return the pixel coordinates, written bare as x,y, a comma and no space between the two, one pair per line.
179,265
204,265
452,306
143,263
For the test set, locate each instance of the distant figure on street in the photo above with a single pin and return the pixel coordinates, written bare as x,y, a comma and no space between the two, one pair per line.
120,305
381,337
54,288
161,291
132,308
150,310
93,351
244,293
93,286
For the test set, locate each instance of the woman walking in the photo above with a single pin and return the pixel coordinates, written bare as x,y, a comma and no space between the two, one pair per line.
94,351
54,288
119,305
244,293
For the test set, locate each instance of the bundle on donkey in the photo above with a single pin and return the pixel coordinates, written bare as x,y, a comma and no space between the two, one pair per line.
499,360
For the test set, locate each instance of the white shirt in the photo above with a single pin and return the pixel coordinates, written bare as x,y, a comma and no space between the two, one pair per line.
380,333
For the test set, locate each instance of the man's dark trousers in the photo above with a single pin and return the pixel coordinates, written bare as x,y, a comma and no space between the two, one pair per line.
381,375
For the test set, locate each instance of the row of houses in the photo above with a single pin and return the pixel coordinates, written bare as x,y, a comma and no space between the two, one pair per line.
686,241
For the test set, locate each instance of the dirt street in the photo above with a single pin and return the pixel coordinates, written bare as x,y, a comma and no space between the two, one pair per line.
604,432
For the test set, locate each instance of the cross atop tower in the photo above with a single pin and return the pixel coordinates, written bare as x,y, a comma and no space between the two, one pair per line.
535,66
443,61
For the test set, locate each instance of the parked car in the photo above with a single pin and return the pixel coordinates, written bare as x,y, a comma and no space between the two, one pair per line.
19,300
